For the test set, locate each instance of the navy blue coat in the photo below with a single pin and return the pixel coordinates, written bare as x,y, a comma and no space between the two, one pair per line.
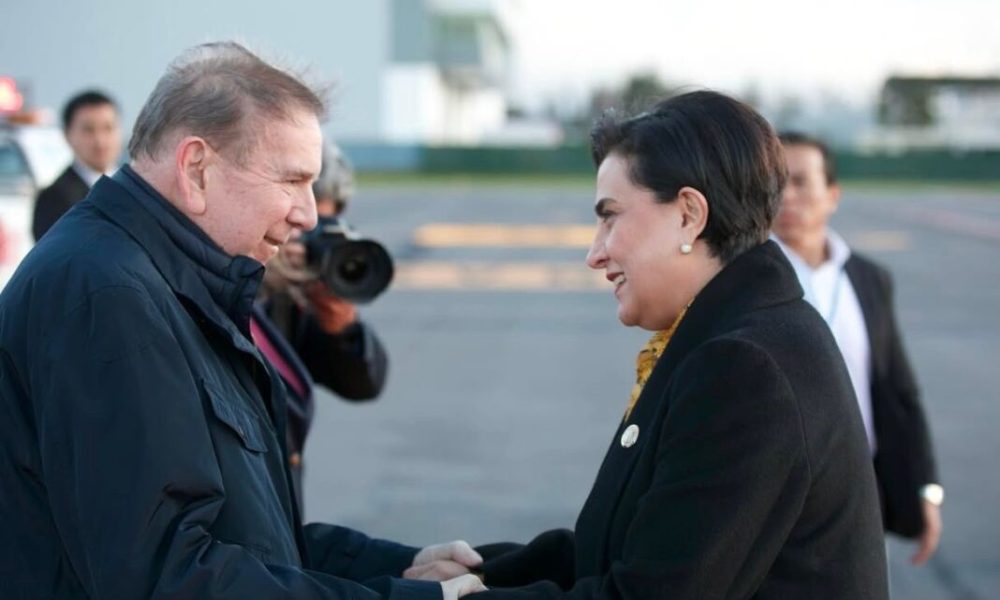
142,434
353,364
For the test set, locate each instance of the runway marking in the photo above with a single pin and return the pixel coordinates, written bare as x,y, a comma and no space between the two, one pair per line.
480,235
499,276
954,222
536,276
881,241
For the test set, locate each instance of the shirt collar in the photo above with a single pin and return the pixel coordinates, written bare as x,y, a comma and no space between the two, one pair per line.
839,253
88,175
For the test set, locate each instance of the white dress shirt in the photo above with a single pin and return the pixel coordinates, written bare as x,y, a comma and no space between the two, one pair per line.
829,290
88,175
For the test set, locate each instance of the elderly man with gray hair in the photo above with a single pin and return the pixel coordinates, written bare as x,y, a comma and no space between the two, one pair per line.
142,435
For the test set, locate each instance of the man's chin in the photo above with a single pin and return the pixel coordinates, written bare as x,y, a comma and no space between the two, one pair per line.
101,166
264,254
785,231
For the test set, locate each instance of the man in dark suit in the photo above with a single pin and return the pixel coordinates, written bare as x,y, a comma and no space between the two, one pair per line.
90,123
854,296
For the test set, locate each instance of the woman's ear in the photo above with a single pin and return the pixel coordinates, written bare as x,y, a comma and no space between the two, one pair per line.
694,211
192,157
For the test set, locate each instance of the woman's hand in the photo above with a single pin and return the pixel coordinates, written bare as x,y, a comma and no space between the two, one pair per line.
460,586
443,562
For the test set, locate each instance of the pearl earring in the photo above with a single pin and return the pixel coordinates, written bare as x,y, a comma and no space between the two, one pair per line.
686,248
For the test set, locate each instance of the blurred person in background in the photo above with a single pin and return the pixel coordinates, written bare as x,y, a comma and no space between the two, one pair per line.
308,333
740,469
855,297
90,123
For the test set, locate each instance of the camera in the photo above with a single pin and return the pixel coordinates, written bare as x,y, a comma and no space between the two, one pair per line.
353,268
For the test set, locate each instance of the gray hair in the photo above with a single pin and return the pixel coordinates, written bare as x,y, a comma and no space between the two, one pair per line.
213,91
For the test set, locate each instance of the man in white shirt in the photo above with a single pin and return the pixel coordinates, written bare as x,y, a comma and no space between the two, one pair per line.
854,296
90,123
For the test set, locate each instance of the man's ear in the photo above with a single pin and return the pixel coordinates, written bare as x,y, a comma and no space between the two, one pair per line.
192,157
834,190
694,212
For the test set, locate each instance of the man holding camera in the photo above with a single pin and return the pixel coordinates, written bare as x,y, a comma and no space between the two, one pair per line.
309,333
142,444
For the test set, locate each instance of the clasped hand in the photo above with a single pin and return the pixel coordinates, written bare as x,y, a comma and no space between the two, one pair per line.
451,564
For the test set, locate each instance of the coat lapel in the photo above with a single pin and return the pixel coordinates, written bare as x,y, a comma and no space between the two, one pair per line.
865,289
593,524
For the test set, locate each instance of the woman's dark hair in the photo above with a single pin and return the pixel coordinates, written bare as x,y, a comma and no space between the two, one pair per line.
713,143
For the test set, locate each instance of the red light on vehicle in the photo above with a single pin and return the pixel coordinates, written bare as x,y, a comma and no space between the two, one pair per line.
4,245
10,99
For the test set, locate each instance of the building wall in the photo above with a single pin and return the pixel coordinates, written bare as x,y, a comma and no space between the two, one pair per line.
414,108
56,48
445,84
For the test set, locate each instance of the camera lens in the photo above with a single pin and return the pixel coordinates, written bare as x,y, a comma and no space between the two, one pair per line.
353,269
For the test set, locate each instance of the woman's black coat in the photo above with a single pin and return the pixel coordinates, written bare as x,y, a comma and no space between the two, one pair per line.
751,475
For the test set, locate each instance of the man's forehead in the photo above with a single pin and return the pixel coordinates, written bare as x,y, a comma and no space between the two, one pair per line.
292,148
804,157
804,151
92,112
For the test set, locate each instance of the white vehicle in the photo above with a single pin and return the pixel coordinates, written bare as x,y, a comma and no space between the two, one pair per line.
31,157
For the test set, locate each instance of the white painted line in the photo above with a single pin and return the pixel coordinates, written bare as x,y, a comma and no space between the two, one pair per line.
456,235
498,276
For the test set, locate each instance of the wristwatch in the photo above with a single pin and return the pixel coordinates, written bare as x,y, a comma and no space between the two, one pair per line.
933,493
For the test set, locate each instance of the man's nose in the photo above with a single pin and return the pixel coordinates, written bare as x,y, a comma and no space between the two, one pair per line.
788,194
303,213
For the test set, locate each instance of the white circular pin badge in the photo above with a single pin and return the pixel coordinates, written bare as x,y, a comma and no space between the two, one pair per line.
630,436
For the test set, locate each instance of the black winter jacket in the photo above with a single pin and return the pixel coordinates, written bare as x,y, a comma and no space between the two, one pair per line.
141,433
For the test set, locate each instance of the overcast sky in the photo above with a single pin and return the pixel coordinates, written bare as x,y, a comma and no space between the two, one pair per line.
563,47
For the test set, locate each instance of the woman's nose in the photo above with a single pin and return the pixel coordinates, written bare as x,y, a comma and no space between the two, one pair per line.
596,256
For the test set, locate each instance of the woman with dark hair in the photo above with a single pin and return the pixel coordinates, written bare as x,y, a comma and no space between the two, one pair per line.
740,468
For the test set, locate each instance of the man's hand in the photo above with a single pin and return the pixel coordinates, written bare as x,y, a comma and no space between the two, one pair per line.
443,562
931,534
460,586
333,314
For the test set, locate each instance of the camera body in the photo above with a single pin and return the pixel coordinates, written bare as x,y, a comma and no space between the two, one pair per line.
353,268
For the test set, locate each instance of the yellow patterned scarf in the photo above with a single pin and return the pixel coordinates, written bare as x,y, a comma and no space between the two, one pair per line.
647,358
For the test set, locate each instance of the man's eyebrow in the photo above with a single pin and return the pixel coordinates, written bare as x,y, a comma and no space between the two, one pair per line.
602,205
298,174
